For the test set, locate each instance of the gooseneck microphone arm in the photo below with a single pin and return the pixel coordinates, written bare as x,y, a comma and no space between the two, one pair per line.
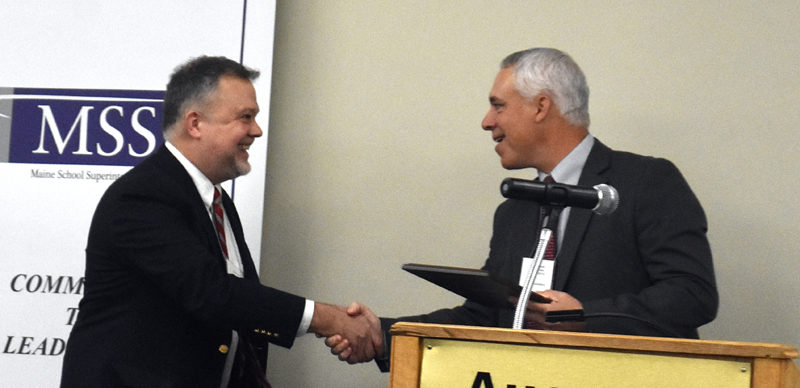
602,199
549,223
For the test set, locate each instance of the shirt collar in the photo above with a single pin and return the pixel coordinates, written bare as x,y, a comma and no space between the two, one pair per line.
568,170
204,186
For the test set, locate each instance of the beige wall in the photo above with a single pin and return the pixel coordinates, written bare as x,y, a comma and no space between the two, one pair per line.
376,156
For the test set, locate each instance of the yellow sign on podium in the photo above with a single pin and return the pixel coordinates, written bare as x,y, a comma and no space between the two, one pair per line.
435,356
454,363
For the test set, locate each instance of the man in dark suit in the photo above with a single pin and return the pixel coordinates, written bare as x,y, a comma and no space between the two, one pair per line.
172,297
645,269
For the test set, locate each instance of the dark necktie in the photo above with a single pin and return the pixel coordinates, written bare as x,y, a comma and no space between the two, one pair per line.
219,221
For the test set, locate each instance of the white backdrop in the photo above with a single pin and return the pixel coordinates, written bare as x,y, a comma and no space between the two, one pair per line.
385,98
96,45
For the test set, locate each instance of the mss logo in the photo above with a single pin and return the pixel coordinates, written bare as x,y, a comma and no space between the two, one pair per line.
78,126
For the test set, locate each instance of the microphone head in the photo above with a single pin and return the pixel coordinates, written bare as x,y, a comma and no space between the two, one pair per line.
607,199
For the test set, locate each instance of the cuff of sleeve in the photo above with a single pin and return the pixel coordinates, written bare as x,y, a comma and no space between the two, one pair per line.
383,361
308,313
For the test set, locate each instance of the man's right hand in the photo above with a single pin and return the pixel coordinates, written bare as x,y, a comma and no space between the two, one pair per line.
353,333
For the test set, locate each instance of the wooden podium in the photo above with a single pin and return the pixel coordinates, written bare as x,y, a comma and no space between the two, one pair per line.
425,355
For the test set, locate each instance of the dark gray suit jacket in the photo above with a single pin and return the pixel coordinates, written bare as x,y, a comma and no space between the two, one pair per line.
159,306
645,269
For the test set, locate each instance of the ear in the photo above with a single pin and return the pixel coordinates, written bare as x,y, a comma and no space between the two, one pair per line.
542,103
191,121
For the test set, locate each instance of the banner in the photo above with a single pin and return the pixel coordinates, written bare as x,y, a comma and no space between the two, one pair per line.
81,86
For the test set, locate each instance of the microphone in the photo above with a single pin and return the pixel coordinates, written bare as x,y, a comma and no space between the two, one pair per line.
602,199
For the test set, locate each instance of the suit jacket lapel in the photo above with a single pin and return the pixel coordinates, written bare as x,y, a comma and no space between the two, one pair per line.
172,167
236,224
597,162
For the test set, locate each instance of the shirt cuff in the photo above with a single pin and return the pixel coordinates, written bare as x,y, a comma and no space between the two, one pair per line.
308,313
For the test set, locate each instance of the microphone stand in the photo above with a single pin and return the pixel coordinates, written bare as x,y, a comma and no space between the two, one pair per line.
549,223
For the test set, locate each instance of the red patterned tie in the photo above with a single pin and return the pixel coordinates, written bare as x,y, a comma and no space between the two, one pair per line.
219,221
550,250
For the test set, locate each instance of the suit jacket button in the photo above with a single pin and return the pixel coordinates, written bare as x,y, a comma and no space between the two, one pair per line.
223,349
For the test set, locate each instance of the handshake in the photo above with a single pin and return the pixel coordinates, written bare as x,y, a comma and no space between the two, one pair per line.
353,333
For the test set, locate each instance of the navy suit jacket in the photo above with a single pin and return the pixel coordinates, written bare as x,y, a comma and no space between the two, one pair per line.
158,305
645,269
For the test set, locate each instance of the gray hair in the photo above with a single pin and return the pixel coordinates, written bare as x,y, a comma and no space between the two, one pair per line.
553,72
193,82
